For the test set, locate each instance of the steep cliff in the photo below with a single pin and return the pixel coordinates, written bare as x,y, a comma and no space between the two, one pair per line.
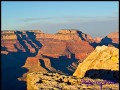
103,63
8,35
56,50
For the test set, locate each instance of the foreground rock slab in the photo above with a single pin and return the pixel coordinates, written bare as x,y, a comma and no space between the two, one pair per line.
55,81
103,63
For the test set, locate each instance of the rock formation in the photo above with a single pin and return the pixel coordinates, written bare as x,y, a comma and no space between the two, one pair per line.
111,39
57,49
97,39
37,51
114,36
8,35
102,63
55,81
67,42
61,35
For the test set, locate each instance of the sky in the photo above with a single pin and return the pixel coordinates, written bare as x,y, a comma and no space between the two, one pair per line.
95,18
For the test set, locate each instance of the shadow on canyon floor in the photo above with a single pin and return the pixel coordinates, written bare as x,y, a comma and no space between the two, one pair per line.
3,48
43,65
11,70
62,63
103,74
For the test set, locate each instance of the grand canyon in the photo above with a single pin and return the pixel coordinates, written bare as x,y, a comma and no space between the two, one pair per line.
34,60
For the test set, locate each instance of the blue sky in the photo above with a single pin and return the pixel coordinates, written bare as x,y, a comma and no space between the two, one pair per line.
94,18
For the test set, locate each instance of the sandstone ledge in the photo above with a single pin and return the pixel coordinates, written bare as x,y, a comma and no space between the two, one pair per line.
55,81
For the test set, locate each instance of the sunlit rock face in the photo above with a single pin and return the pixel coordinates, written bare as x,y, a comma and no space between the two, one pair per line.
55,48
97,39
114,36
61,35
8,39
103,63
55,81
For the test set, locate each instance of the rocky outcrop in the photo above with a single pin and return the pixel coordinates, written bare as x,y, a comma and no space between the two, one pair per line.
81,49
97,39
8,35
103,63
66,34
9,45
55,81
68,31
61,35
114,36
55,48
111,39
33,64
8,39
38,63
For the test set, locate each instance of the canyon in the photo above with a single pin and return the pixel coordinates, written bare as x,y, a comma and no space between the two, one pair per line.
28,51
99,71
